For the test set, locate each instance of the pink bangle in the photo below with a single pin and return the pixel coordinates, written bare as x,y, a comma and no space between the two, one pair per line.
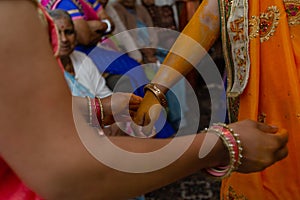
92,108
232,142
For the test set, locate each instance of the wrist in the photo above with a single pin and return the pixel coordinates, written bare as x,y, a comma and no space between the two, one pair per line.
234,150
160,96
219,153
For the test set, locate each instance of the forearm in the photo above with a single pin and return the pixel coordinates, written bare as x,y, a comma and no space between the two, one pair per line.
87,33
104,16
192,45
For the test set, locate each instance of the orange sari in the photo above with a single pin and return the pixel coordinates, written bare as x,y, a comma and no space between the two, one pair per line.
271,93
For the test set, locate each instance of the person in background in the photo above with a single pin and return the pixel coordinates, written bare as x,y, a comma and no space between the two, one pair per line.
86,21
80,72
135,16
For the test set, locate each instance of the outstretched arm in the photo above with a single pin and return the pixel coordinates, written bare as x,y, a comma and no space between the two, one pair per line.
192,44
190,47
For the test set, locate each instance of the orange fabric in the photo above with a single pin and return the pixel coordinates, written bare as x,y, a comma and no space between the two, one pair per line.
274,91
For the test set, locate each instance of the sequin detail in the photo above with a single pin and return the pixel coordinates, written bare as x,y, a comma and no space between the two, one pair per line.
292,9
265,25
232,195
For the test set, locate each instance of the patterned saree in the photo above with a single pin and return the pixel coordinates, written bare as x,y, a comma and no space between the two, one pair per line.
261,41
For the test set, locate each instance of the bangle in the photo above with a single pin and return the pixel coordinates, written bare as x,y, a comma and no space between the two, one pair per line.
90,109
100,111
233,144
236,140
107,22
93,108
158,94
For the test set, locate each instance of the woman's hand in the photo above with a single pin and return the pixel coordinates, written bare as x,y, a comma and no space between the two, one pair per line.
148,113
120,107
263,145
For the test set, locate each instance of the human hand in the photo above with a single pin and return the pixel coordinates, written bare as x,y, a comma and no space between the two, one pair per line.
148,113
263,145
120,107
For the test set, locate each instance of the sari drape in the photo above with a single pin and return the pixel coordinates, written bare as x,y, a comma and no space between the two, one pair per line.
272,94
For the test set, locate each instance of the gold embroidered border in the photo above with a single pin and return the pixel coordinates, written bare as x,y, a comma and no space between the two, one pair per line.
292,9
232,195
265,25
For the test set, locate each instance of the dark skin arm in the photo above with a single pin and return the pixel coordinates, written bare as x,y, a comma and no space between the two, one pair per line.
89,32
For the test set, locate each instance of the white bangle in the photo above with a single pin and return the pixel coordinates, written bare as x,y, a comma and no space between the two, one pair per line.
107,22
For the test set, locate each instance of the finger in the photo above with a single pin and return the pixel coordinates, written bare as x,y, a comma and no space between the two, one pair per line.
135,102
282,153
135,99
282,137
134,107
267,128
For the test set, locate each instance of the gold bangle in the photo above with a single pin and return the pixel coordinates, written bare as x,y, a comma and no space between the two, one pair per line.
158,94
90,110
101,112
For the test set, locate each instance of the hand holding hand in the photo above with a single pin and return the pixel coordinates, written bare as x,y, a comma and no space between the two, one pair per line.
263,145
120,107
148,113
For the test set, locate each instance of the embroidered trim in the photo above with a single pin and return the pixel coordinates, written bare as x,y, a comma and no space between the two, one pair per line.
265,25
262,117
268,23
50,4
79,6
232,102
232,195
253,27
292,9
225,7
237,27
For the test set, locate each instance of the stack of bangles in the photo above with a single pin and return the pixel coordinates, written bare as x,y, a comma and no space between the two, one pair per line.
233,144
96,112
161,97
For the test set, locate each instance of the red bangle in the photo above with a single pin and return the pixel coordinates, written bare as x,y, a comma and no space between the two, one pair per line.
98,110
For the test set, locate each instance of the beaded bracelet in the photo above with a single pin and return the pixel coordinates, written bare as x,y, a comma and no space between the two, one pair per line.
233,144
158,94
